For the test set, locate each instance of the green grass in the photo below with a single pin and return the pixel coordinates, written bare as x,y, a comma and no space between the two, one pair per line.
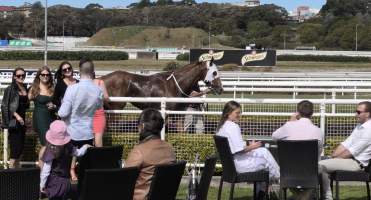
151,36
245,193
346,192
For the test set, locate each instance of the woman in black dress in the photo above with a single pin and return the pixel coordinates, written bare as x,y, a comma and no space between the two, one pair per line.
13,109
63,79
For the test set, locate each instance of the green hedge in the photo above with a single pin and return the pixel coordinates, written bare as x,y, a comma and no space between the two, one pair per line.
183,57
186,145
322,58
64,55
171,66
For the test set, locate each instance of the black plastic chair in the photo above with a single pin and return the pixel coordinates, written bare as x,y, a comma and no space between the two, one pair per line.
207,175
113,184
20,184
359,176
298,165
166,181
230,173
99,158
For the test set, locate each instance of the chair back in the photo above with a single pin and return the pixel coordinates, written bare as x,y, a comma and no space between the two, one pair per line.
166,180
226,157
100,158
20,184
113,184
298,160
207,175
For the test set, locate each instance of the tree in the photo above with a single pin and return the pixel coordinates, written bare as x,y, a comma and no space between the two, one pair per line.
164,2
345,7
37,5
144,3
310,33
93,6
258,29
188,2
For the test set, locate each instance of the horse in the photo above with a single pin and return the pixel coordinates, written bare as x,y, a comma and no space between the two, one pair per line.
177,83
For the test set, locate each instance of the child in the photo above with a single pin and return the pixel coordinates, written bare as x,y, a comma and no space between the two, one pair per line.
55,176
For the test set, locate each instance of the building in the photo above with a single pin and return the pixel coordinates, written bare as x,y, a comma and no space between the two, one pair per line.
303,13
6,11
248,3
251,3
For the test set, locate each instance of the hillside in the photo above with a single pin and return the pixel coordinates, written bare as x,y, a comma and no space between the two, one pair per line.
151,36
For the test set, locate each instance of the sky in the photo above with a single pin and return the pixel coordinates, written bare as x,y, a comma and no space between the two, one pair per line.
290,5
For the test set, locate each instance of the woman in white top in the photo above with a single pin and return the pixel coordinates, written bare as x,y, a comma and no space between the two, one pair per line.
247,158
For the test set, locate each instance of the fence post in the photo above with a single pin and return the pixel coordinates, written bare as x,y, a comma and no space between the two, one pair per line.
234,92
163,113
5,150
333,108
322,125
355,93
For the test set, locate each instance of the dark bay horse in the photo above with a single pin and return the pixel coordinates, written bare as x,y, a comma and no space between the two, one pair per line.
177,83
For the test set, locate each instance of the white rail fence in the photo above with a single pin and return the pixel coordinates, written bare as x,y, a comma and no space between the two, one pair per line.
241,75
259,119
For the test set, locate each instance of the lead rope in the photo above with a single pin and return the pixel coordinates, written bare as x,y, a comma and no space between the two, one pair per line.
177,84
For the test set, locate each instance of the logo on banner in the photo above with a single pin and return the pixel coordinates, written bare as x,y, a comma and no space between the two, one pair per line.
253,57
208,56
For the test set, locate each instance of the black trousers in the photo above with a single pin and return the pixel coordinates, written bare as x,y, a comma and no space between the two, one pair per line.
16,139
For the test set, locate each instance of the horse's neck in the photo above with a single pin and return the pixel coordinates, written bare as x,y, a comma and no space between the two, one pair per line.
188,79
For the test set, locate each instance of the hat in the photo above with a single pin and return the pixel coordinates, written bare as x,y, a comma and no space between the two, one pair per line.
57,133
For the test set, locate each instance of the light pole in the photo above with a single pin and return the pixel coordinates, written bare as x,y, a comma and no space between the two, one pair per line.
209,36
63,33
357,37
284,40
46,34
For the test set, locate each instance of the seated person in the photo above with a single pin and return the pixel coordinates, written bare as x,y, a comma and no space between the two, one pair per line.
300,127
247,158
150,151
354,153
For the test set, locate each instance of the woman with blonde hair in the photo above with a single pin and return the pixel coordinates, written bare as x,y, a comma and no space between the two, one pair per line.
41,92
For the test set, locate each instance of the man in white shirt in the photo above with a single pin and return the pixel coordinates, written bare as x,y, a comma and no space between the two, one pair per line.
300,127
354,153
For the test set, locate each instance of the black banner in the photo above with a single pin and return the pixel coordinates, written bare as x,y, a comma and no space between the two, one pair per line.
238,57
30,73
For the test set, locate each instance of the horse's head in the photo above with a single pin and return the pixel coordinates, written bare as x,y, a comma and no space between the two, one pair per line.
212,78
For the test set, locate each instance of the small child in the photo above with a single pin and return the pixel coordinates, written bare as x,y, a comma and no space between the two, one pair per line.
55,176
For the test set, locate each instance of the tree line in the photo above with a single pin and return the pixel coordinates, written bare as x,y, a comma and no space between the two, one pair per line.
269,26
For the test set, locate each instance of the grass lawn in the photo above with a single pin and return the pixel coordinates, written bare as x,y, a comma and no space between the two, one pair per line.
282,66
346,192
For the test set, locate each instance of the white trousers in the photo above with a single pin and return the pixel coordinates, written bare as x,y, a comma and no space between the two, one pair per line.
193,122
258,159
327,166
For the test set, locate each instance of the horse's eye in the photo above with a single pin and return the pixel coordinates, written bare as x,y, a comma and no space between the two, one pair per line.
215,73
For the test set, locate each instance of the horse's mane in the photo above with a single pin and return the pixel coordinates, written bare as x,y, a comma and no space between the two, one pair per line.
187,67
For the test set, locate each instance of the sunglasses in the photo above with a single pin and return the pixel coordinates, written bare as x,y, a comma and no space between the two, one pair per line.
21,76
359,112
45,75
67,69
